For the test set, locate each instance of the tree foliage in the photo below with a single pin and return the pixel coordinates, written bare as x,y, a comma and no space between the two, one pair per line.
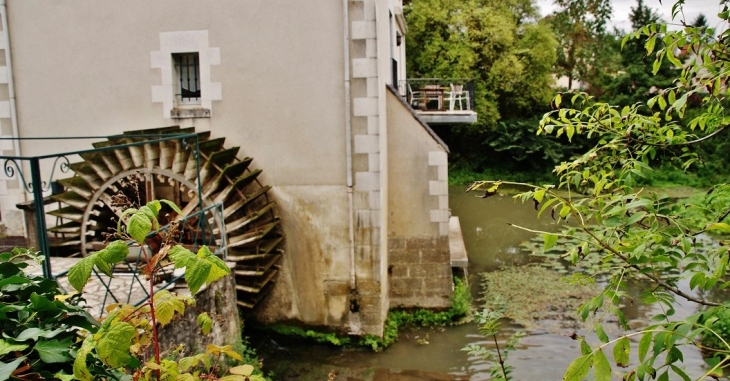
639,233
505,49
580,26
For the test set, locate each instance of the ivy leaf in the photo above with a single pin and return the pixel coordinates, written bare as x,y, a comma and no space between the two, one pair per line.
205,323
578,369
113,346
621,352
166,304
601,366
35,333
138,226
81,371
53,351
114,252
7,347
80,273
7,369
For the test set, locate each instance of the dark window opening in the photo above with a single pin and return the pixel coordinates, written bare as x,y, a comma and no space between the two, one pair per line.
187,75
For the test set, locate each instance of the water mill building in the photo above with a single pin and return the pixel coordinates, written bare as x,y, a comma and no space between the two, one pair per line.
355,181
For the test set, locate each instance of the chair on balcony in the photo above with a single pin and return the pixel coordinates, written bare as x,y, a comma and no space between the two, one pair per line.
415,98
458,95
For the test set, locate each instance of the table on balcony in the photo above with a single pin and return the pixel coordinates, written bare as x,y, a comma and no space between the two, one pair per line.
433,93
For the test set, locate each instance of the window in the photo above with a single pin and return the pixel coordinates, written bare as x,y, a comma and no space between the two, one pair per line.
187,77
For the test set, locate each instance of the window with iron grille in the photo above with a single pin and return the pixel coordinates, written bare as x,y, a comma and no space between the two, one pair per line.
187,76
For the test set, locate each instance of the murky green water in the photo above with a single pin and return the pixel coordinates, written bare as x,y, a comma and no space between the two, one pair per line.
491,243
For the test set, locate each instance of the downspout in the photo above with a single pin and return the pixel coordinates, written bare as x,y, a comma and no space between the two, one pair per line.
11,84
348,142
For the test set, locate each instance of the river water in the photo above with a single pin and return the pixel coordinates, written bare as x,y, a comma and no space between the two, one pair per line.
491,244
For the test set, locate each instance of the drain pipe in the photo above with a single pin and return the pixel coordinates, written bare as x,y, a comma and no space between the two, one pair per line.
348,141
9,69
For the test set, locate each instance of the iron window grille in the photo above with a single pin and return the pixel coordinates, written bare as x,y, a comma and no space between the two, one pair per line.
187,70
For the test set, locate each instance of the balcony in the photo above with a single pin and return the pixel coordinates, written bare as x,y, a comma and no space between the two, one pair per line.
440,100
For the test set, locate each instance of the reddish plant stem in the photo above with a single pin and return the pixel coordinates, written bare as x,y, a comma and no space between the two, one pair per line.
153,319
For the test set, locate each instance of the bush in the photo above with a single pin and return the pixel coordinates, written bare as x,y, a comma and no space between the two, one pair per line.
41,327
718,335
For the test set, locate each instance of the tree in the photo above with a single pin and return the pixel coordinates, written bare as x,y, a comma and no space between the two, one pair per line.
638,234
580,26
638,79
501,46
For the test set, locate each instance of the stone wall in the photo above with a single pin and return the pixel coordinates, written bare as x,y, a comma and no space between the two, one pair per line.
420,273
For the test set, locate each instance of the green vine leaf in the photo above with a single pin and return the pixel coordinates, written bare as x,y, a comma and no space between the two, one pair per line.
7,347
53,351
35,333
7,369
81,370
113,346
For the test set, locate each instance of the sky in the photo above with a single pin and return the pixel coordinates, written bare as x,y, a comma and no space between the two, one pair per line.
622,8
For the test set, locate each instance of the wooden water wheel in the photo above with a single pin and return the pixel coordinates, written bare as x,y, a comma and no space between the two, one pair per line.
169,169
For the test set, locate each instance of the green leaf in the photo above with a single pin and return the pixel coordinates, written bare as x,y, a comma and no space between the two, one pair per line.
650,44
166,304
7,369
578,369
621,352
171,205
114,252
585,349
205,323
8,347
558,99
680,373
602,366
601,334
718,227
101,265
35,333
218,269
636,217
53,351
113,346
644,345
549,241
539,195
138,226
181,257
244,370
81,371
80,273
196,274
